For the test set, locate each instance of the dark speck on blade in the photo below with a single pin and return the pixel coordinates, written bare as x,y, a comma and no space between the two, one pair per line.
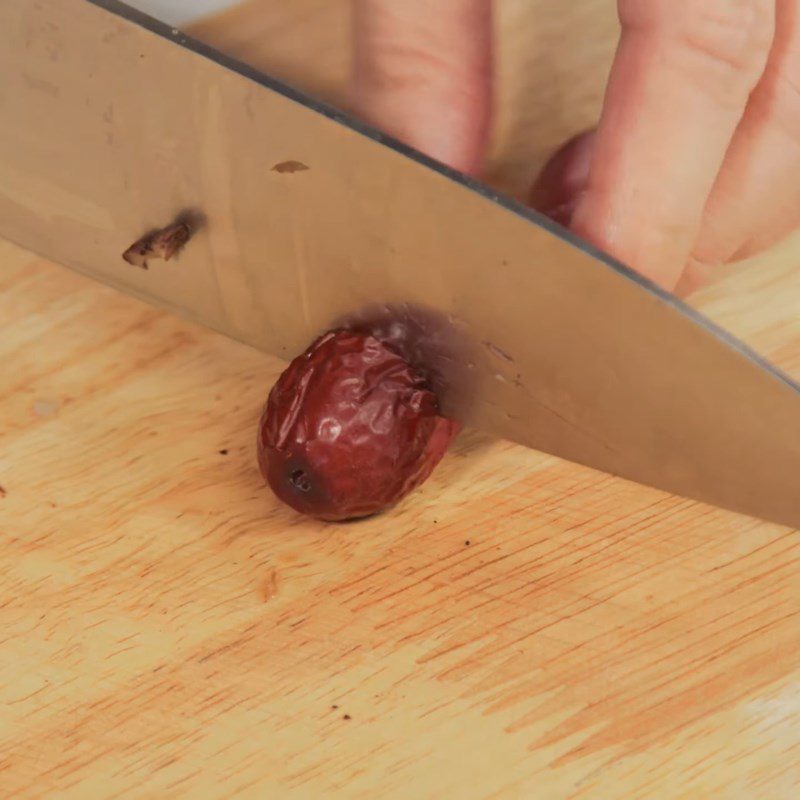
346,716
224,451
467,543
497,351
289,166
3,492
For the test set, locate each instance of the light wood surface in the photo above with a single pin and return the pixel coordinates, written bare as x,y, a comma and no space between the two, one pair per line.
519,628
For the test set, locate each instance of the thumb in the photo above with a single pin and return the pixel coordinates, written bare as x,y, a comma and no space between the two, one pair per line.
422,73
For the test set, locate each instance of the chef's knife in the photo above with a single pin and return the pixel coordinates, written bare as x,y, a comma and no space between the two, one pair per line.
112,124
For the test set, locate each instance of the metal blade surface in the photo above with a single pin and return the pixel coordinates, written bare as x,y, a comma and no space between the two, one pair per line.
112,124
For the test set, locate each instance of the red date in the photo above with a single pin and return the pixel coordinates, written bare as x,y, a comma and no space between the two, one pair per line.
349,429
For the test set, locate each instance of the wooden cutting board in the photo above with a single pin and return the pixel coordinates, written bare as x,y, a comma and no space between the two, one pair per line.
520,628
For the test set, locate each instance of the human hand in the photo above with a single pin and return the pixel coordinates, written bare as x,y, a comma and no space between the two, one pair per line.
696,158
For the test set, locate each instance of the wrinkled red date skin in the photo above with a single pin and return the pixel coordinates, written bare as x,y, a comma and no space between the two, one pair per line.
349,429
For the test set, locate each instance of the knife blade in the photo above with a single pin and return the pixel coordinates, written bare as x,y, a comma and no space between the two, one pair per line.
112,124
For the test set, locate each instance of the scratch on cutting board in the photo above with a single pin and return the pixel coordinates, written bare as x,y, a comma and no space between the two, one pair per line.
269,587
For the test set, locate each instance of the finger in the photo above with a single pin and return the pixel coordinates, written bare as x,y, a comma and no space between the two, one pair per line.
678,88
422,72
756,199
556,190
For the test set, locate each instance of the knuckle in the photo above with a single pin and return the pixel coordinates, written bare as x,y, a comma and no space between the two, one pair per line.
733,33
403,64
418,64
727,42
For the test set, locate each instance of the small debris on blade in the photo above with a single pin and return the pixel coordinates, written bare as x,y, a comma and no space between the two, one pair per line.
160,244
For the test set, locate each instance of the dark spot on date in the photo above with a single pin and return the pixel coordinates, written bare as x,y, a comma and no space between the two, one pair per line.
289,166
300,480
467,543
224,451
347,716
3,492
334,707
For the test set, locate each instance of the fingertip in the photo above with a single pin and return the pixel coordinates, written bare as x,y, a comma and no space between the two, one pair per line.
678,87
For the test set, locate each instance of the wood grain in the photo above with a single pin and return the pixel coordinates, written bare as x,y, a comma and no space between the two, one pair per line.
521,627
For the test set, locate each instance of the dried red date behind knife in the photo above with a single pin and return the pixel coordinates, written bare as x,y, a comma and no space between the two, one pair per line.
349,429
